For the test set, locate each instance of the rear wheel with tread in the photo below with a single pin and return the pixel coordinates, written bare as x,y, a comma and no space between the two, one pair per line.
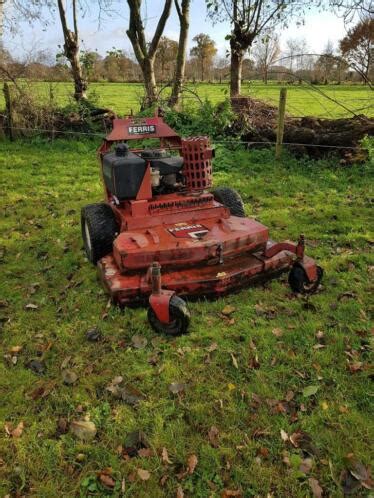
299,281
231,199
179,318
99,228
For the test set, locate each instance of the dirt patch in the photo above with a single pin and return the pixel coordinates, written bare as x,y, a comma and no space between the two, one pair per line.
314,136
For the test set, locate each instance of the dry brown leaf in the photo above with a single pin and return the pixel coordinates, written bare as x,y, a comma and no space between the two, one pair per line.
277,332
85,430
145,452
143,474
17,432
212,347
180,493
228,310
191,463
15,349
315,487
213,436
107,479
165,456
226,493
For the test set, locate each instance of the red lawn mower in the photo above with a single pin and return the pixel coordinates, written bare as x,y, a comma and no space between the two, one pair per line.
159,213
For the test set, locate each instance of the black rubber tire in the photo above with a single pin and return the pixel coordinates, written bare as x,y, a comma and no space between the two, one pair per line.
99,229
231,199
180,318
299,282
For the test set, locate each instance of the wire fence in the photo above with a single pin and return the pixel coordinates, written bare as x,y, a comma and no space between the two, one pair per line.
232,142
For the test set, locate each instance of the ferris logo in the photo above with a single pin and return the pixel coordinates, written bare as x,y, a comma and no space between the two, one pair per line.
142,130
194,231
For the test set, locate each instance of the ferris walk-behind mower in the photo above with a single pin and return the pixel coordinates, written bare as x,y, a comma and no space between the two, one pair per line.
160,214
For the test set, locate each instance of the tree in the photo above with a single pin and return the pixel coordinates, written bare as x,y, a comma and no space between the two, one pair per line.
165,56
204,51
183,12
145,52
357,48
326,62
248,19
265,53
72,50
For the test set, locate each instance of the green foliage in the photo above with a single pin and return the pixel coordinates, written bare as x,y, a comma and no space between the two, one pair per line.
368,144
213,120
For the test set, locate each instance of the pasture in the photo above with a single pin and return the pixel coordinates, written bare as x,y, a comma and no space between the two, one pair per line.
275,395
302,100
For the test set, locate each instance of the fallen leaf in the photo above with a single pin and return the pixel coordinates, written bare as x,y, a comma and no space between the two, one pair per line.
15,349
277,332
36,366
349,483
17,432
357,469
213,436
306,465
107,479
143,474
165,456
227,493
355,366
94,335
69,377
31,306
315,487
138,341
180,493
85,430
145,452
254,363
228,310
284,435
234,361
176,387
191,463
212,347
310,391
134,441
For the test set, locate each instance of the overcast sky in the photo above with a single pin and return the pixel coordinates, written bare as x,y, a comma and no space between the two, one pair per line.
318,28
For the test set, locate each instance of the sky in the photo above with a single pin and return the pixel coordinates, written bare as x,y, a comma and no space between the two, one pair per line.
317,29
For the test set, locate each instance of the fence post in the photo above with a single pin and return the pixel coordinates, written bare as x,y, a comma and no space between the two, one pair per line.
280,129
9,111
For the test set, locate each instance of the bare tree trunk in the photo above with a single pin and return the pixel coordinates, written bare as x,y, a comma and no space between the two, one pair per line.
72,52
149,82
236,72
145,53
184,21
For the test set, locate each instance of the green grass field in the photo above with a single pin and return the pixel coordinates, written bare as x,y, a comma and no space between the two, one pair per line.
278,365
301,100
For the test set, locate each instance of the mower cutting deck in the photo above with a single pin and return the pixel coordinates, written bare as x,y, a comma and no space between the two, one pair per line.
159,215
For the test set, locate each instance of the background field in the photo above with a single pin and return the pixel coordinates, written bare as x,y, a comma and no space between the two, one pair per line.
250,375
302,100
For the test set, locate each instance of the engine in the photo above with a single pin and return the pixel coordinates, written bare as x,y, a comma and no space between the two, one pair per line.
123,171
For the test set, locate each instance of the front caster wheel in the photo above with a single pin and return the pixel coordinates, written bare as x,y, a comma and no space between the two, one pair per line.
299,281
179,318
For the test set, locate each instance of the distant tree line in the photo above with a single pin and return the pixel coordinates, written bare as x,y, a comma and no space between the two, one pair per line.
255,51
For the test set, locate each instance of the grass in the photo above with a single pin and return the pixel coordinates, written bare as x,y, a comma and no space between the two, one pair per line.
301,100
43,187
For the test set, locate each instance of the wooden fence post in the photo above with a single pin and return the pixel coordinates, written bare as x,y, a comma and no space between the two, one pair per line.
9,112
280,129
